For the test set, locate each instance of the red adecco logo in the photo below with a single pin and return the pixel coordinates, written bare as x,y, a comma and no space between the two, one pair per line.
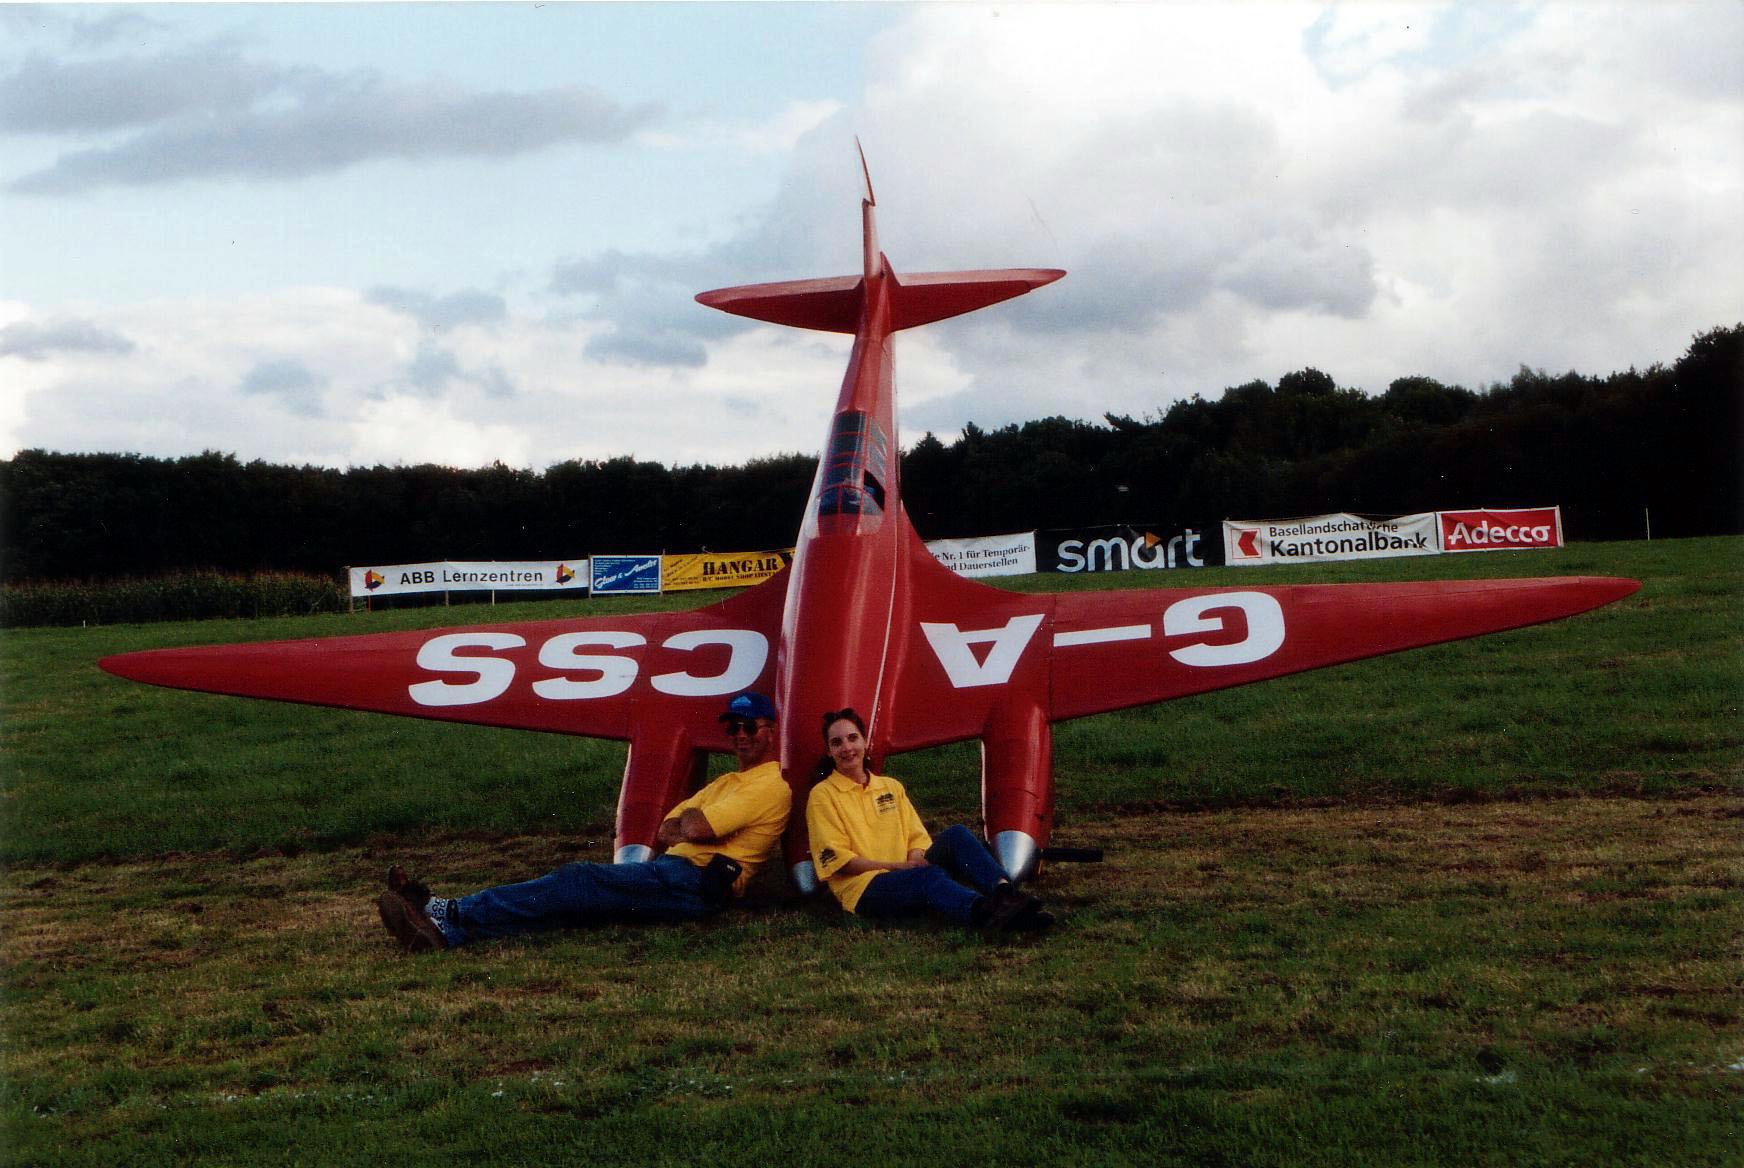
1489,531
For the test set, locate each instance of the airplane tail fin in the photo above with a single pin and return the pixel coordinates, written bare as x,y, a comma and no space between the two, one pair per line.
833,304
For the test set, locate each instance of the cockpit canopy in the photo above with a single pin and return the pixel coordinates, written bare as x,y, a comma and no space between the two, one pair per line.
855,466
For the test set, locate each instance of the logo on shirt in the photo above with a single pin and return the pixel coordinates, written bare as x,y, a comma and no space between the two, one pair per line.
885,803
827,857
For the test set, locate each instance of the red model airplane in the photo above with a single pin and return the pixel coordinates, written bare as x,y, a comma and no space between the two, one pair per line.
866,617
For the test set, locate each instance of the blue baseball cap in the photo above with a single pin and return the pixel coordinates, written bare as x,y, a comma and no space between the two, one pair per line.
749,705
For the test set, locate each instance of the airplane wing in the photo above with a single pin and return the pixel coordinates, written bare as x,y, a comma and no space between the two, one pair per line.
604,677
976,651
1111,650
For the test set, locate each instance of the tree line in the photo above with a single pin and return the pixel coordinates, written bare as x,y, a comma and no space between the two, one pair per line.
1666,441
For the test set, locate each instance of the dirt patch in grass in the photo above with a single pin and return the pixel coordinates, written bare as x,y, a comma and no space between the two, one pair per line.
1235,952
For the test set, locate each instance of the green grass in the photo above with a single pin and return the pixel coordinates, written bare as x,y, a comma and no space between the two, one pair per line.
1474,905
1505,983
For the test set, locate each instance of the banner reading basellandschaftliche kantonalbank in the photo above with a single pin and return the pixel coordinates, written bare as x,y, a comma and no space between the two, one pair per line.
463,576
1327,537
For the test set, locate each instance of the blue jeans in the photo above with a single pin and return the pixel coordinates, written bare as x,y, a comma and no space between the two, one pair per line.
666,888
957,858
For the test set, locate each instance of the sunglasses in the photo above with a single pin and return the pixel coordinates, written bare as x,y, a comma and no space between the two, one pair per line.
747,726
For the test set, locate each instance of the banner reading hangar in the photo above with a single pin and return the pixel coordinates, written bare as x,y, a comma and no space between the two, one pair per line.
720,569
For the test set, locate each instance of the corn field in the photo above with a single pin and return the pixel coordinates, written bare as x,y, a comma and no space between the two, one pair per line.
184,596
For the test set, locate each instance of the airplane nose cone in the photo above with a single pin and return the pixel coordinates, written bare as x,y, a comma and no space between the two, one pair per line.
805,877
1017,853
632,854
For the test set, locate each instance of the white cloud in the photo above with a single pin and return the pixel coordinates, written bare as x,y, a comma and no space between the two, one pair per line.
1239,191
209,113
781,133
411,429
326,376
36,341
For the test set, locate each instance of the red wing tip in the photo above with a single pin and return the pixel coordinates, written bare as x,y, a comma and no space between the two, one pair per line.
132,666
1614,587
114,664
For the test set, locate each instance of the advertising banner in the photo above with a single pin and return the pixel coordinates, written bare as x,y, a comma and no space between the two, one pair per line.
1495,531
1119,549
1327,537
625,575
988,555
720,569
462,576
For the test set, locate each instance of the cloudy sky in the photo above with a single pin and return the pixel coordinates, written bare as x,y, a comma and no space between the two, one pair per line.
351,234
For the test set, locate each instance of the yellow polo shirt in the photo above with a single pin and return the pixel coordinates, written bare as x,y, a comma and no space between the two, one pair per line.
748,810
875,822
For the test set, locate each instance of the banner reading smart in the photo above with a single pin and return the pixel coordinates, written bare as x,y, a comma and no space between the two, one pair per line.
1120,548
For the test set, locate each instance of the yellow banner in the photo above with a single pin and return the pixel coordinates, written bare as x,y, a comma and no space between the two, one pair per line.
720,569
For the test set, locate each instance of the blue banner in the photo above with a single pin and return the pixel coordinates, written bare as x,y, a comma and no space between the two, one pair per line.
625,575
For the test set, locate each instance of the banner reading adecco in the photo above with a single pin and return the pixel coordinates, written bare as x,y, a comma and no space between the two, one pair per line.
988,555
1495,531
461,576
720,569
1327,537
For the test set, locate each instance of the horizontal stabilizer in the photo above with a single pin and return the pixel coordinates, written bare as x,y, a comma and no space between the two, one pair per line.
832,304
923,297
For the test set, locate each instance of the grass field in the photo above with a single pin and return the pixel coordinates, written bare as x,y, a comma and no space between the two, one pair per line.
1478,904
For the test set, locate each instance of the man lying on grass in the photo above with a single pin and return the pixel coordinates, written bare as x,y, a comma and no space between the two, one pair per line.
715,841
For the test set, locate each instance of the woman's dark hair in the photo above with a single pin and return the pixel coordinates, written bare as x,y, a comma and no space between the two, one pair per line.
835,716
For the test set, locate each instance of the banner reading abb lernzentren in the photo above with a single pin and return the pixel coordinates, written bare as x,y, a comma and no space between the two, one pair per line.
459,576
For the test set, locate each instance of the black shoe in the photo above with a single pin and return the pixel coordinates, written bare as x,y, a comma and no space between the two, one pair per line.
1010,909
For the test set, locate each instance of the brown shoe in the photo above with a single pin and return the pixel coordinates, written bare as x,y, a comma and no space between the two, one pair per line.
413,890
409,923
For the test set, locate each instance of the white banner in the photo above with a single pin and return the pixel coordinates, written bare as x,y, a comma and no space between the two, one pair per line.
458,576
989,555
1327,537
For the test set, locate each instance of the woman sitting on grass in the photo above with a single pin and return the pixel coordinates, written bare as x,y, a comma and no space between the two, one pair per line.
868,843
